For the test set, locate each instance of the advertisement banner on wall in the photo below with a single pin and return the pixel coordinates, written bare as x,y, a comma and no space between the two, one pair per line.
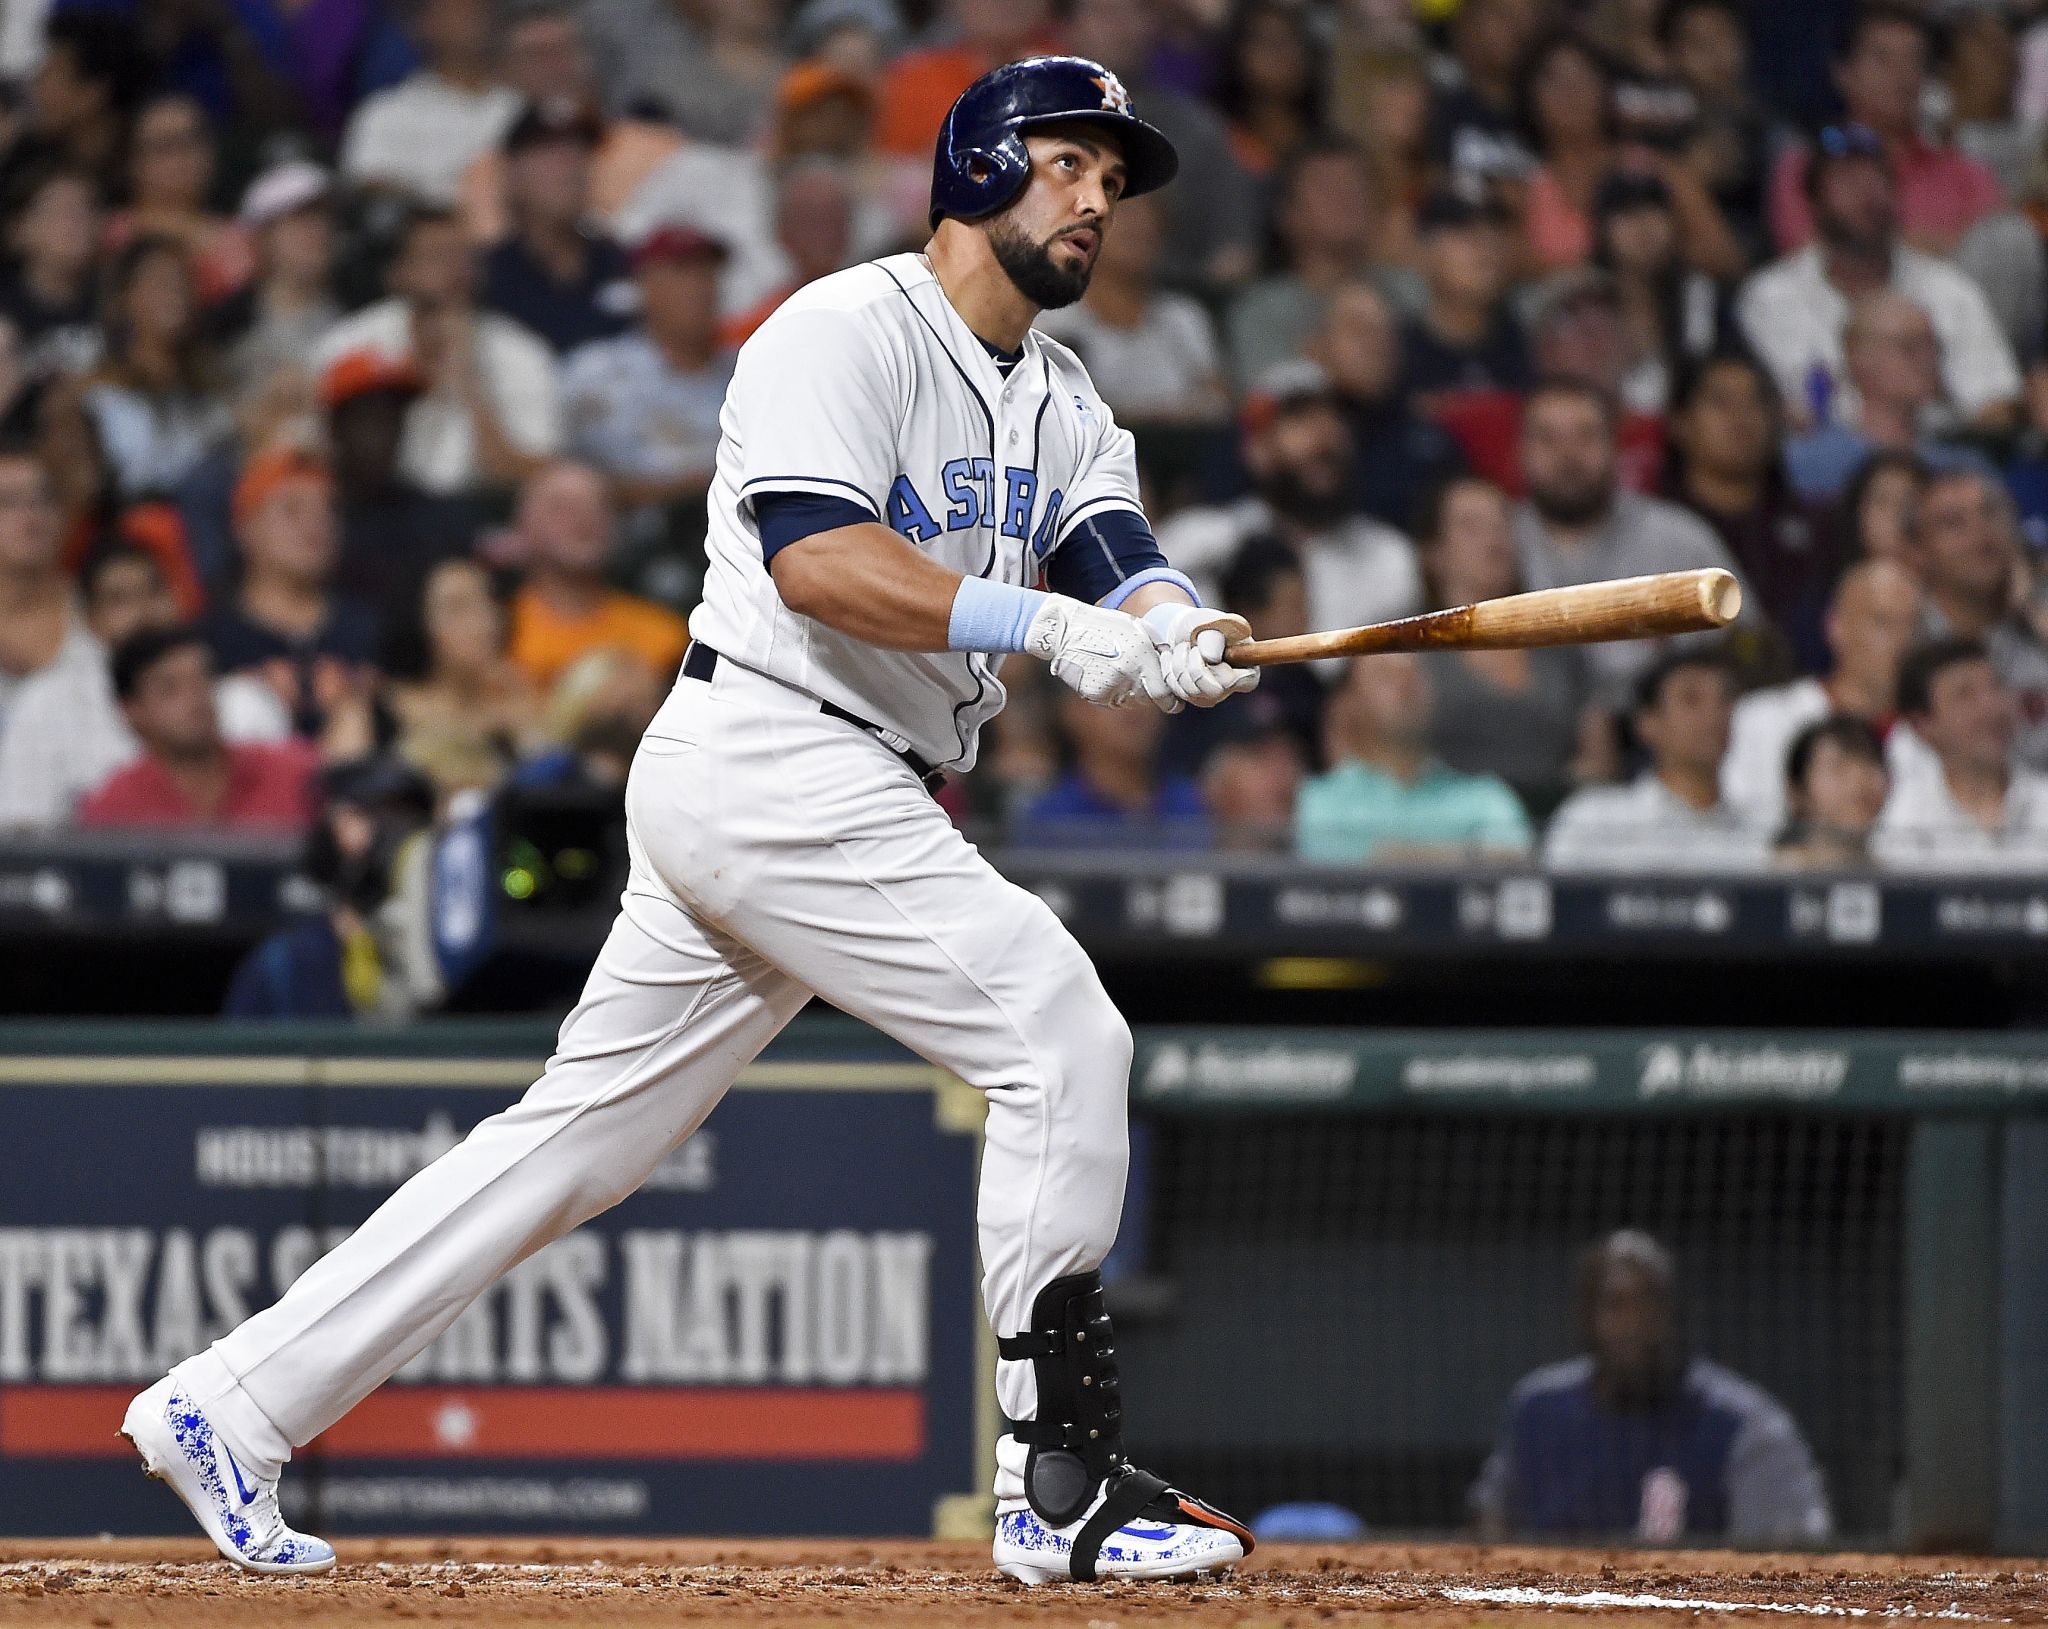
778,1334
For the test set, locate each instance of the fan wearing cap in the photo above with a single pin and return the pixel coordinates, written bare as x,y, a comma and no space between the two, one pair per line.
273,322
643,407
392,532
547,61
555,273
1466,336
285,623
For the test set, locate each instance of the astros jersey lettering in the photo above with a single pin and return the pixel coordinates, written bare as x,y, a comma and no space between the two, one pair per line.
867,386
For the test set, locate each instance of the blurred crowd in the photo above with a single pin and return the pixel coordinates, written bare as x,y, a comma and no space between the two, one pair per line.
361,363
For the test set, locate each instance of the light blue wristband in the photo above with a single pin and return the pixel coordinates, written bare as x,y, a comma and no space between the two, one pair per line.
992,616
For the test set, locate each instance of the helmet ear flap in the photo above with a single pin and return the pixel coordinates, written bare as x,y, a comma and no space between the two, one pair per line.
983,178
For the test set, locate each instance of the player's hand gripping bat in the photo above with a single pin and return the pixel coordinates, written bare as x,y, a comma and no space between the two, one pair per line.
1672,602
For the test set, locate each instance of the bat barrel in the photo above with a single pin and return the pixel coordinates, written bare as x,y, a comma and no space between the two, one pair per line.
1673,602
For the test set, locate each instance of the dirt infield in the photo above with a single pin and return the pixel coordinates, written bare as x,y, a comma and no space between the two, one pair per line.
568,1584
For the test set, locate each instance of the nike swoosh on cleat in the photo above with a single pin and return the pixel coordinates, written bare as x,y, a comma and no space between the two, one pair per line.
241,1487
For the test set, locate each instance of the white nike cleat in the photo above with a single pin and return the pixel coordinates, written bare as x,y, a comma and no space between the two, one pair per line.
238,1508
1033,1553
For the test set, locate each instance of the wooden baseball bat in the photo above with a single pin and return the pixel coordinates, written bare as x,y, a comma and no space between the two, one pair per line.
1672,602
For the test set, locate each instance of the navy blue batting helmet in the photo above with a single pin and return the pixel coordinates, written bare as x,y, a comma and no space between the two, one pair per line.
981,163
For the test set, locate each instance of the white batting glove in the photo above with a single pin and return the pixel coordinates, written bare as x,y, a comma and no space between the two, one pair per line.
1192,645
1107,657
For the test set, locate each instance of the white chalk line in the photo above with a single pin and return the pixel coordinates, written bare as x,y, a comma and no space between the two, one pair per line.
1618,1600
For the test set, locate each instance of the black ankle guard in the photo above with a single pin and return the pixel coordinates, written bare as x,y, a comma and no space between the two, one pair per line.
1077,1439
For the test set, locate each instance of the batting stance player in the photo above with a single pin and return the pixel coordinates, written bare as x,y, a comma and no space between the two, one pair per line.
902,458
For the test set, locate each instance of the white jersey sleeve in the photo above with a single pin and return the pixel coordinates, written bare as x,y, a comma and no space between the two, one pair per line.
820,394
1107,477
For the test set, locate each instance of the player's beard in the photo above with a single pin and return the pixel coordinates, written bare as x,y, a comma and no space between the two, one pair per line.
1031,267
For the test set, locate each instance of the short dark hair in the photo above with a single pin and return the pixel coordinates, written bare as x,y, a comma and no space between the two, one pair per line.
1846,731
1426,524
1884,14
105,50
107,554
1674,12
143,649
1570,384
1926,663
1545,46
1650,687
1694,372
1255,572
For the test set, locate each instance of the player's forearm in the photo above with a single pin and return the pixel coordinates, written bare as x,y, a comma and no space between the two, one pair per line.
867,582
1142,599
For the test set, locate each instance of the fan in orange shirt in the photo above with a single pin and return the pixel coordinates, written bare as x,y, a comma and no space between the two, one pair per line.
921,86
565,610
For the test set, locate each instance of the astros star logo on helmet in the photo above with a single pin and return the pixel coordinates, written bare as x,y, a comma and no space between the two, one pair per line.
1115,99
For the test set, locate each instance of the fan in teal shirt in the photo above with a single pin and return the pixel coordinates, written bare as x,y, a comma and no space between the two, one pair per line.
1386,797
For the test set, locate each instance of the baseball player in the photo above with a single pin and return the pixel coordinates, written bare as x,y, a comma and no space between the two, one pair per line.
901,460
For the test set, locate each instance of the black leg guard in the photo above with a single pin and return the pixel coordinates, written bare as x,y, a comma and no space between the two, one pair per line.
1077,1441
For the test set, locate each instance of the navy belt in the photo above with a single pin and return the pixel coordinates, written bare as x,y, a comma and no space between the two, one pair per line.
700,661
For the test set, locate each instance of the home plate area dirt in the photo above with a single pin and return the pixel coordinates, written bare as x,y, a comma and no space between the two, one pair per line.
572,1583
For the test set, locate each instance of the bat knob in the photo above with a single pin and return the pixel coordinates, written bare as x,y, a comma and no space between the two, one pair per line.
1720,596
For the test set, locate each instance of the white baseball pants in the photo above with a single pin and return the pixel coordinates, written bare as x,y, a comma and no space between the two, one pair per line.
775,852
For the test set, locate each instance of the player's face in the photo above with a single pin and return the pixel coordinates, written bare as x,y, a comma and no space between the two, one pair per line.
1047,241
1632,1326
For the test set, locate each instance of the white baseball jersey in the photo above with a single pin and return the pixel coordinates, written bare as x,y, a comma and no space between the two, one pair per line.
868,386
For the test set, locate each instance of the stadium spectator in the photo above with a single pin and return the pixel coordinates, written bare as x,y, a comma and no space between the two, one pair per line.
1517,714
1578,330
1967,550
1670,312
1211,231
285,623
417,137
170,193
1881,73
547,63
391,530
1299,453
1578,526
1564,95
1891,357
40,625
1724,432
1875,516
466,712
1155,351
1270,87
1981,812
554,273
79,101
1872,620
1794,310
490,414
271,325
1707,44
1466,337
1326,220
643,408
189,775
1637,1441
1981,73
1397,454
565,609
1385,799
1114,793
814,228
154,400
64,731
920,85
1836,783
727,194
50,288
1474,134
1671,817
1250,781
